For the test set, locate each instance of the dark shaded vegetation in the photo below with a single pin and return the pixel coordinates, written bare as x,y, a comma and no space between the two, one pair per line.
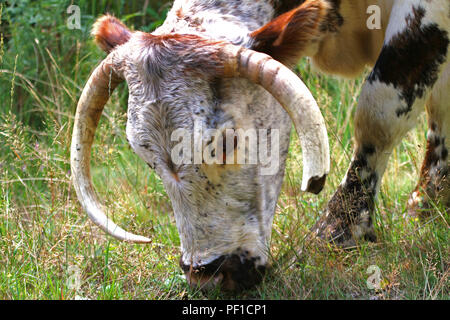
36,38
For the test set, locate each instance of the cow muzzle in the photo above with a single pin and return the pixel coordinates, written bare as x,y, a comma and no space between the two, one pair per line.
230,273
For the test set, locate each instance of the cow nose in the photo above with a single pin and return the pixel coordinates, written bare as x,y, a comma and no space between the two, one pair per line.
226,273
197,280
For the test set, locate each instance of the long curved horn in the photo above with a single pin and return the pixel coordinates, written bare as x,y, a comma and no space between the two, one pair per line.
96,93
296,99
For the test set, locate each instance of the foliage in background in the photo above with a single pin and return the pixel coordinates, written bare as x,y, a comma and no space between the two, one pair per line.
37,40
46,239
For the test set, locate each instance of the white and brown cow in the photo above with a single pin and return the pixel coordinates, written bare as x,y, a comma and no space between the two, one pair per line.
205,65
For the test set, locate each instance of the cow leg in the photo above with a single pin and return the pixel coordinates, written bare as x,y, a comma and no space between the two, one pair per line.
433,188
411,61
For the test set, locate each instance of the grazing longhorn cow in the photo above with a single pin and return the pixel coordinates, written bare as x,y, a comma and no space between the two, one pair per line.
214,63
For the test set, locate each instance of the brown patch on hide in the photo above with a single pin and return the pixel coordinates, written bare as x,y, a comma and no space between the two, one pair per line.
331,23
180,13
194,55
181,41
176,177
283,6
215,172
173,171
109,32
285,37
334,19
346,45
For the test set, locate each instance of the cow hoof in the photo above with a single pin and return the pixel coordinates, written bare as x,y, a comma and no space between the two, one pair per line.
417,206
343,234
421,207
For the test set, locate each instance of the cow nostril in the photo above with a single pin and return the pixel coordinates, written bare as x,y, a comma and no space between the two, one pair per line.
204,282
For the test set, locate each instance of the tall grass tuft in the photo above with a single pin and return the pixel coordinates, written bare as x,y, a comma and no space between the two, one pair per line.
2,52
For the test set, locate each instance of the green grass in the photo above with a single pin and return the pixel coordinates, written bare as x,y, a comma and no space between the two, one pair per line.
45,237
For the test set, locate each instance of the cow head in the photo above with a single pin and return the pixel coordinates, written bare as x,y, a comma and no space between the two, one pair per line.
201,90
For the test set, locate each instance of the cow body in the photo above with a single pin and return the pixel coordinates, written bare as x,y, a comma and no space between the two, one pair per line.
411,71
224,213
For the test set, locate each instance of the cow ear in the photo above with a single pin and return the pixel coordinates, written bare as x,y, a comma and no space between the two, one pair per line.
286,37
109,32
